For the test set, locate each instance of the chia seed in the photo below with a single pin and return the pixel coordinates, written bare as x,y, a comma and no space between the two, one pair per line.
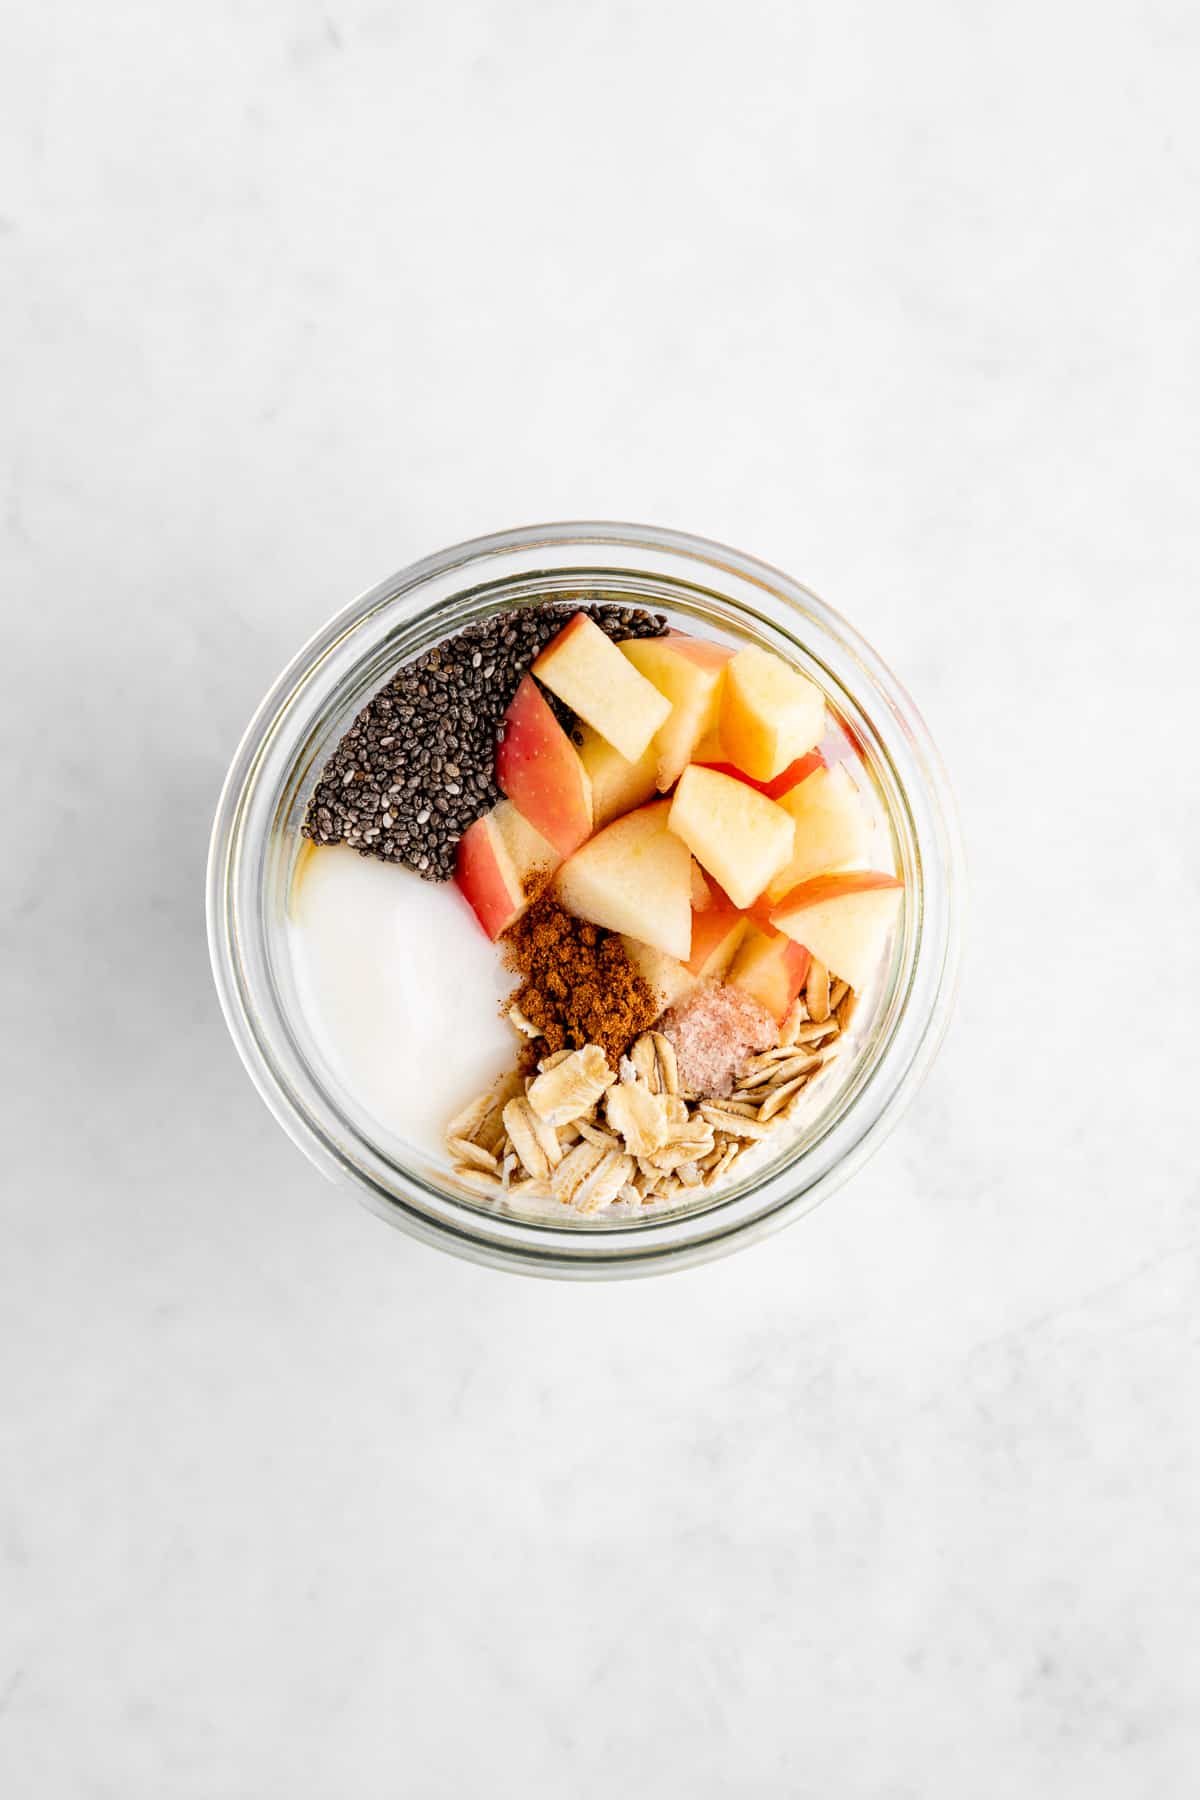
421,753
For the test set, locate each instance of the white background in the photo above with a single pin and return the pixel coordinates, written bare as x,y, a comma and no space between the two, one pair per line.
902,1504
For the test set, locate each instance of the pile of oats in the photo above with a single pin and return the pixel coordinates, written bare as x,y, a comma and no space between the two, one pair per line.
588,1136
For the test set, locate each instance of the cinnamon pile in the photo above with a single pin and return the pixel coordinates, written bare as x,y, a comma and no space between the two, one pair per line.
578,985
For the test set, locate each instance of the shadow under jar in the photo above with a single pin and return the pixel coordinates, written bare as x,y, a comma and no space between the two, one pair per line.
703,588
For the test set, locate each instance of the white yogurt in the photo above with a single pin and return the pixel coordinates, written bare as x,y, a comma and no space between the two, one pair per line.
400,990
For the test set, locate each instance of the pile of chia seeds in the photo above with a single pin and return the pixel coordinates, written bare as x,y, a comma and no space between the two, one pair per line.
416,767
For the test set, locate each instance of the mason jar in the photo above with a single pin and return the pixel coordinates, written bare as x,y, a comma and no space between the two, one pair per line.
704,588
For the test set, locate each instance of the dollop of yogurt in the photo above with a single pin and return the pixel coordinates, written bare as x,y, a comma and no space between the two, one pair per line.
400,990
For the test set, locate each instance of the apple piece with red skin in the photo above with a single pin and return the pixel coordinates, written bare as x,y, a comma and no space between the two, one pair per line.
717,930
585,669
634,877
735,833
833,830
538,768
528,846
771,969
716,935
792,776
534,857
759,912
771,714
688,671
718,927
487,877
501,864
843,918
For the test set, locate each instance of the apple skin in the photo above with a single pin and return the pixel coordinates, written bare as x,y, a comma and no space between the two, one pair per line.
834,885
759,911
718,927
487,877
501,864
771,969
715,940
538,768
701,650
843,918
792,776
832,829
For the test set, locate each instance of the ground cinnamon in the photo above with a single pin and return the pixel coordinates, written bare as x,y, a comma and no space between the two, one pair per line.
578,985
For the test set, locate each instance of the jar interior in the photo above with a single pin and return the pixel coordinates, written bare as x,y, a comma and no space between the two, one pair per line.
688,606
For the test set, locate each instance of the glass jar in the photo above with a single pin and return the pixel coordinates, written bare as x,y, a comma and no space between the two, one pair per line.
700,586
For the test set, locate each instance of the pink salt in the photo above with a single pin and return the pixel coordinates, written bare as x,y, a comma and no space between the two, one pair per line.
714,1030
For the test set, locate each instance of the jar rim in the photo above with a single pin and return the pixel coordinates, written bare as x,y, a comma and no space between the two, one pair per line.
756,596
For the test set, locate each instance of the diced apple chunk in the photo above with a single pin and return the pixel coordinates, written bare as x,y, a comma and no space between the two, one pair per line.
501,864
832,829
688,671
487,876
539,770
734,832
717,933
709,750
635,877
618,785
771,969
770,714
585,669
844,919
534,857
704,892
667,978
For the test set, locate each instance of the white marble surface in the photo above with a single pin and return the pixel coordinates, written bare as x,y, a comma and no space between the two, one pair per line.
902,1505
